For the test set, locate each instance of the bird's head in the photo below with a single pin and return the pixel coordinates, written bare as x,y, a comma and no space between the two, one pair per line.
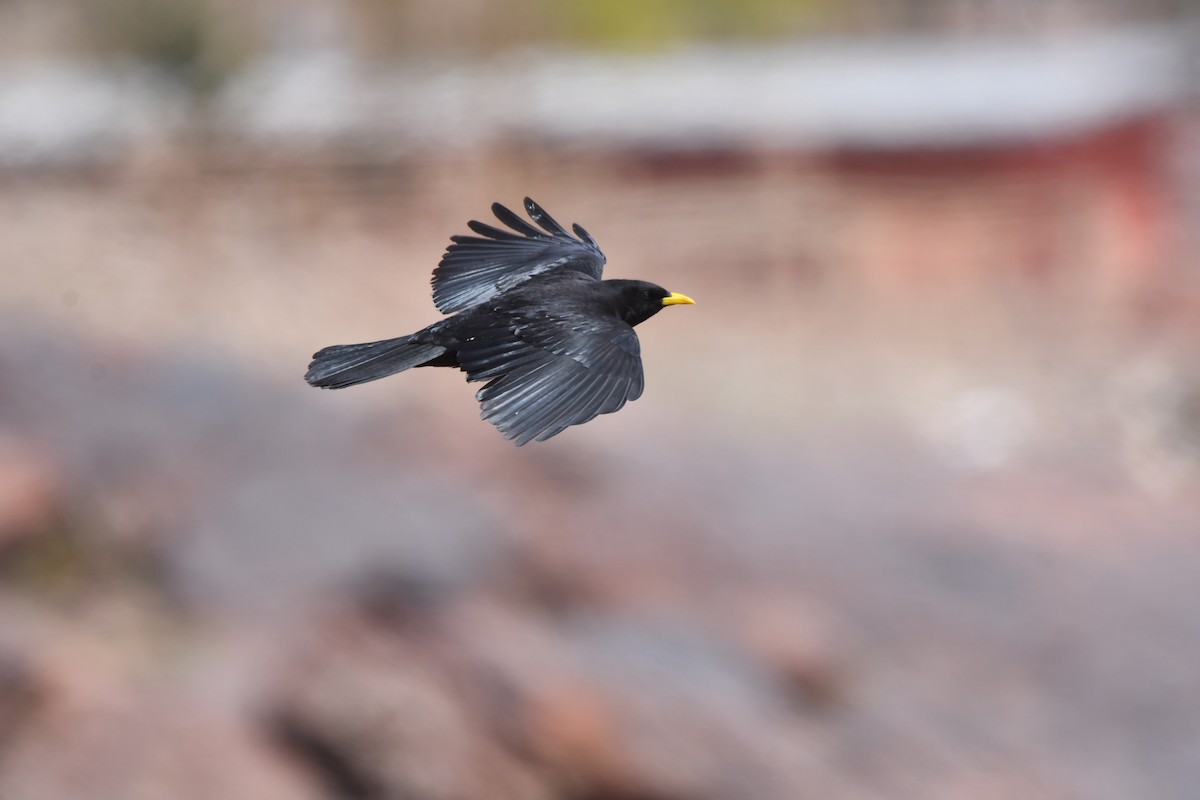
638,301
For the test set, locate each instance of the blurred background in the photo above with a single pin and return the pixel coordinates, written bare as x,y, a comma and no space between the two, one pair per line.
910,507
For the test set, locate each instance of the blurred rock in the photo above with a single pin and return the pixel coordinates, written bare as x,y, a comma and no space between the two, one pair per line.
170,462
794,641
31,490
144,747
373,717
21,697
1157,410
325,522
616,706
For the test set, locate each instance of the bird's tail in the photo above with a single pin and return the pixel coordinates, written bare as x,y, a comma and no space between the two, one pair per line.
342,365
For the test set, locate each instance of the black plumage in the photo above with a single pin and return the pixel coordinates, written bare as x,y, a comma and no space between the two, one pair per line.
531,315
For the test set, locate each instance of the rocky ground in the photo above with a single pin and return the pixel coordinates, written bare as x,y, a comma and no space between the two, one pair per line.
844,547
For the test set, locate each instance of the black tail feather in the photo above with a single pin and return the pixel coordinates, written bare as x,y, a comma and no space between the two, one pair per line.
342,365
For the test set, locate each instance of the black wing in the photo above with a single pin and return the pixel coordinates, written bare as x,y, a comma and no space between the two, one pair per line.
475,268
546,372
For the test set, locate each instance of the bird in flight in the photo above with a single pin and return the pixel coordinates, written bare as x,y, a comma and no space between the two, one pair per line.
529,314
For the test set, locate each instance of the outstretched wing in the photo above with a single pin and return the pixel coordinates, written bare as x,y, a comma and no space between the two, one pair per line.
475,268
546,373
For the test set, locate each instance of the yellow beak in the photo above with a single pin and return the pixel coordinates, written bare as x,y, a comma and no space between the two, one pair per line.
675,299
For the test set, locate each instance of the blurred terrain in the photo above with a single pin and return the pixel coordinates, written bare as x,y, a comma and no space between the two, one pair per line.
909,508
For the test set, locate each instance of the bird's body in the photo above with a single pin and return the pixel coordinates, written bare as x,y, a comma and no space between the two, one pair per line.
532,317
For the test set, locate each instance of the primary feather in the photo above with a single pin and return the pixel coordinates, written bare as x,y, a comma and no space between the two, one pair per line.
476,268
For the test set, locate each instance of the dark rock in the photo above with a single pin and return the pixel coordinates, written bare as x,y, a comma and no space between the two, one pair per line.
374,717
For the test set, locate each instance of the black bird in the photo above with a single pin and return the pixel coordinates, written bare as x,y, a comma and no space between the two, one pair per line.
554,342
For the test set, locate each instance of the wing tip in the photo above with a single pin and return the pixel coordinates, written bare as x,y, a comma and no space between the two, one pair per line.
583,234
